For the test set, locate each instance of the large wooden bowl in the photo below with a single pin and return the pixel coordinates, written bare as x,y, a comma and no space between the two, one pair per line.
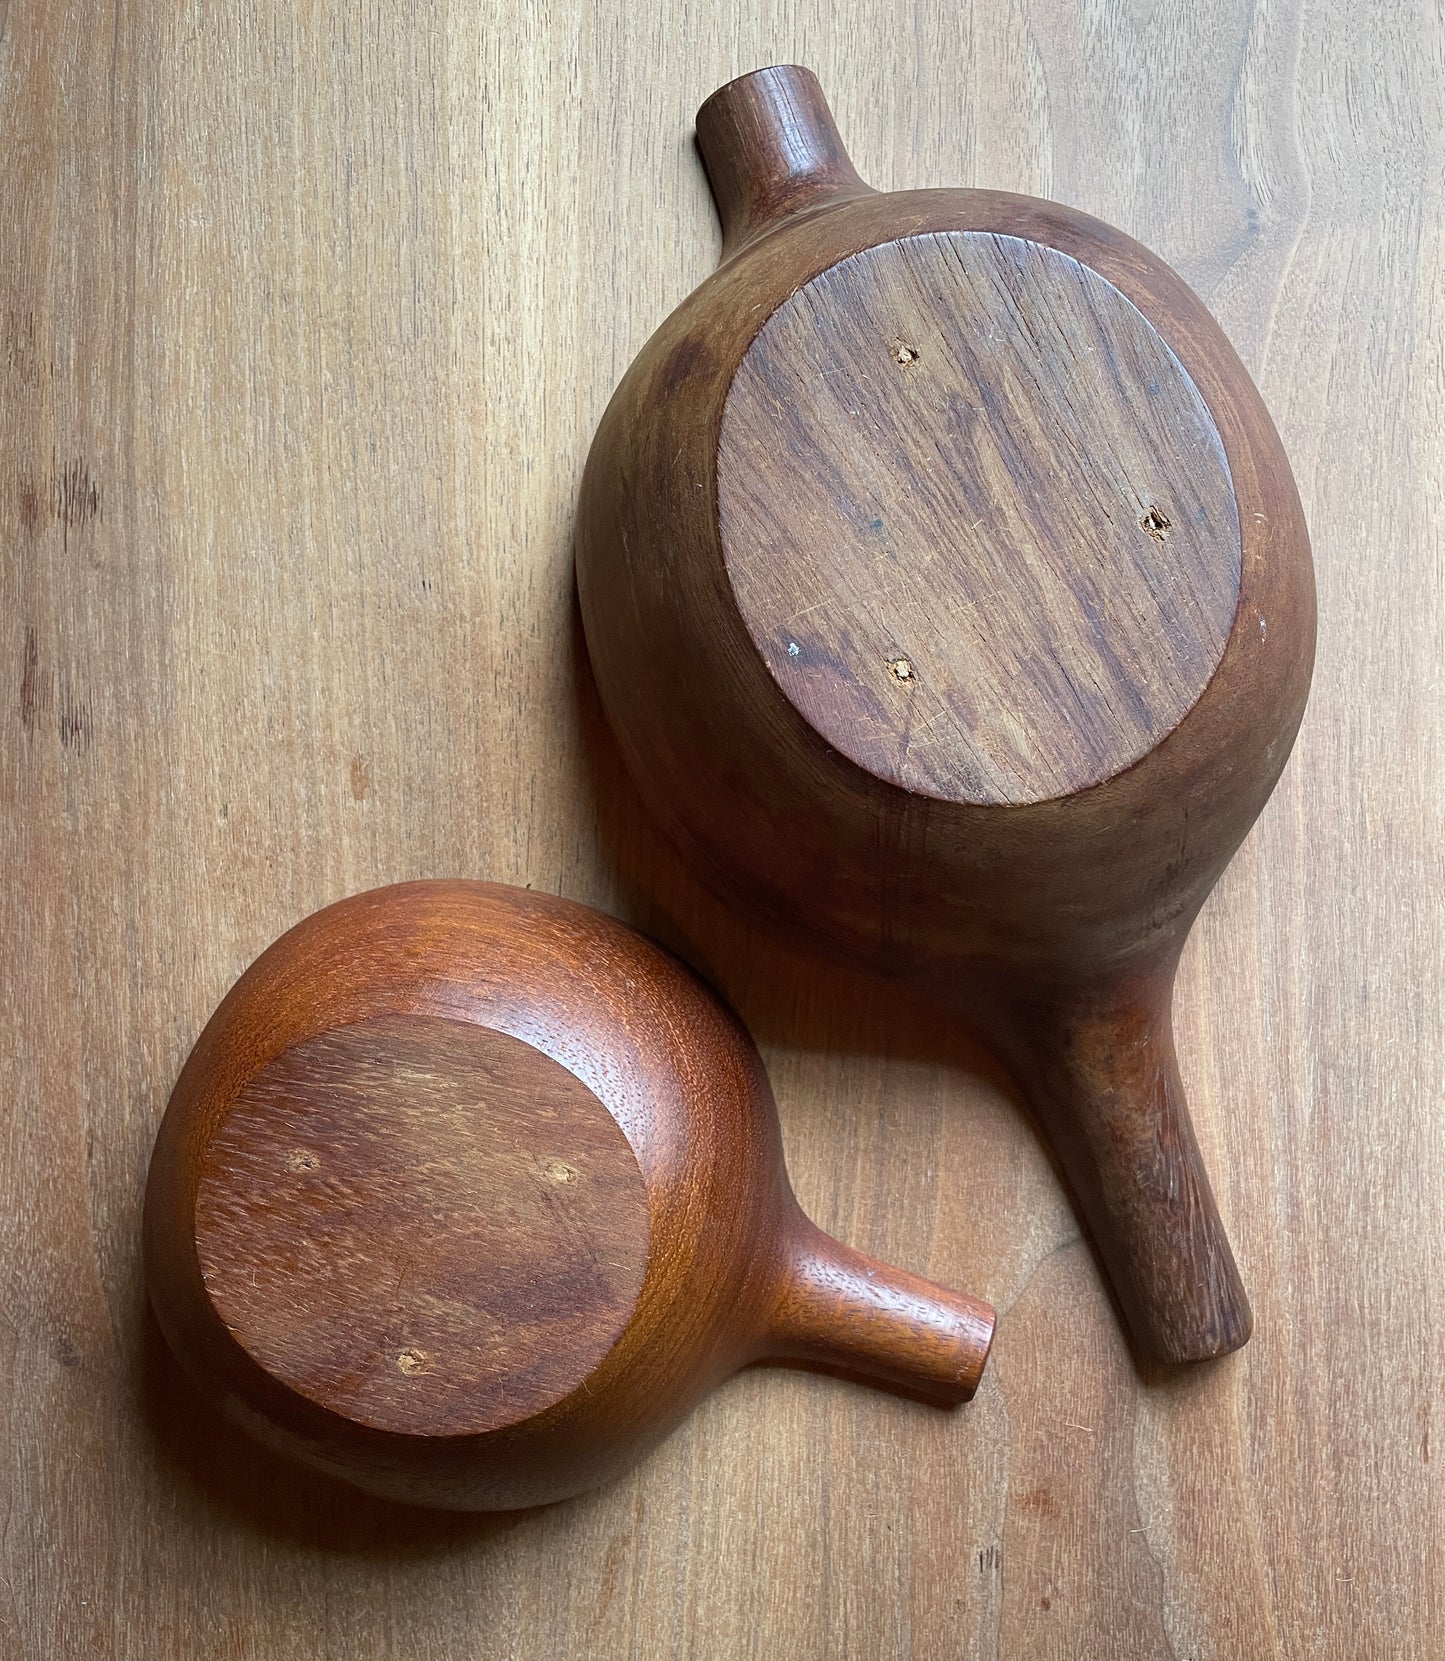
949,596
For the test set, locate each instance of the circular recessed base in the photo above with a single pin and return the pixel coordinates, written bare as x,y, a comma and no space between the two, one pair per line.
977,518
424,1226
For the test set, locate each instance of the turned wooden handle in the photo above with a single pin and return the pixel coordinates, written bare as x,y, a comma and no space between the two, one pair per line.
839,1307
1100,1072
772,150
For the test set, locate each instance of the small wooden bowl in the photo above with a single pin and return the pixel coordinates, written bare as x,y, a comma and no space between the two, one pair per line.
467,1194
949,596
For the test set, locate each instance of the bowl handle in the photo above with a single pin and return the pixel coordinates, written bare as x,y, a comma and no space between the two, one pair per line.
1098,1068
772,152
838,1308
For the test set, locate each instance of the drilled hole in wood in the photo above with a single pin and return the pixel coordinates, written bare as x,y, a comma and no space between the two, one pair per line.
558,1170
901,669
1156,524
904,355
411,1361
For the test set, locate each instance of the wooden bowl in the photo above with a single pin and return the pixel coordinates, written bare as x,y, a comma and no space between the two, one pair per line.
467,1194
949,596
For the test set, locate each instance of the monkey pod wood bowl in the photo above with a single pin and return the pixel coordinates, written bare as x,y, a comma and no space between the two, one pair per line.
950,599
467,1194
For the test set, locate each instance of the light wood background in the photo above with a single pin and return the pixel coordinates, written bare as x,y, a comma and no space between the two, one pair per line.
307,312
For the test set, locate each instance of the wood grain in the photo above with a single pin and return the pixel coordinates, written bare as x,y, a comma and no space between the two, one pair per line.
1033,540
431,1227
318,311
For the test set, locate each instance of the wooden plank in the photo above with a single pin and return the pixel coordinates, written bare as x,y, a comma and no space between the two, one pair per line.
306,317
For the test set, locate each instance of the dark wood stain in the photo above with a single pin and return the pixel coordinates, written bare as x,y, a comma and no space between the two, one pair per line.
683,362
31,505
1039,1502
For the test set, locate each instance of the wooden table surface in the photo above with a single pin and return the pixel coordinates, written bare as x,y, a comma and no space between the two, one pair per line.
307,314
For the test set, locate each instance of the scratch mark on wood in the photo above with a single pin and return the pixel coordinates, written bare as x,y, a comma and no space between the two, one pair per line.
18,350
76,496
76,719
30,680
72,496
